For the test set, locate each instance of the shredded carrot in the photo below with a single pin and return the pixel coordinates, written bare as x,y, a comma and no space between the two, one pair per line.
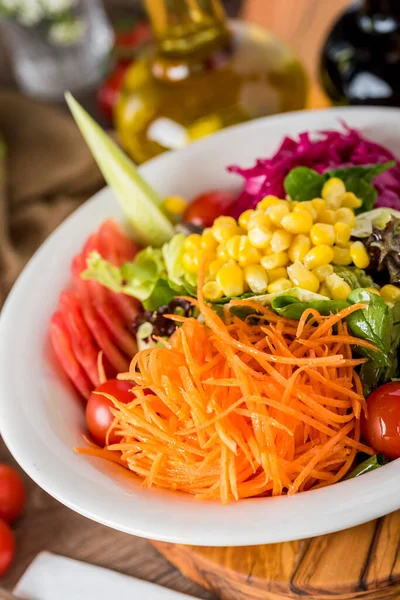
233,409
100,367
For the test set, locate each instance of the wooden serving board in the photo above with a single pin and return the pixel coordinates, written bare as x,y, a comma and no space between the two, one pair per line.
362,562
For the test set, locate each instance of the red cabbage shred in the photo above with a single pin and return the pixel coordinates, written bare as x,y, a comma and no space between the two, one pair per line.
328,150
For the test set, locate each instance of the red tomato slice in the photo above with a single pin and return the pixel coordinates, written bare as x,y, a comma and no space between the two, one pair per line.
382,427
62,346
12,494
109,233
83,344
94,322
113,242
98,415
125,340
207,207
7,547
91,244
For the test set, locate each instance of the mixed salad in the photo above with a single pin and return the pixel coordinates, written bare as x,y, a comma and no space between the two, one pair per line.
243,345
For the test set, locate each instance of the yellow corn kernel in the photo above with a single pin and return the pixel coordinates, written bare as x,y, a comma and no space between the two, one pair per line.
224,228
318,256
248,255
233,246
279,285
175,205
192,242
278,273
280,240
332,190
342,234
292,204
307,206
212,290
327,216
230,278
359,255
345,215
334,203
244,219
338,288
277,212
297,222
208,241
324,290
322,272
299,247
222,252
225,221
318,205
259,218
350,200
256,278
302,277
373,290
322,233
267,202
390,293
215,266
259,236
341,256
273,261
192,261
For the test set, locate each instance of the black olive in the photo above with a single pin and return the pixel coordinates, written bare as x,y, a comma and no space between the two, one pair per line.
162,326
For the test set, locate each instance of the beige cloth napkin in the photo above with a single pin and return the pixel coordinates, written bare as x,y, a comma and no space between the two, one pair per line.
47,173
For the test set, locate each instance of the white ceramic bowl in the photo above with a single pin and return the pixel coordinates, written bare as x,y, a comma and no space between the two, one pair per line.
41,418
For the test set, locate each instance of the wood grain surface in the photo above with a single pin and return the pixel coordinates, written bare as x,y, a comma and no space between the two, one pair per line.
363,562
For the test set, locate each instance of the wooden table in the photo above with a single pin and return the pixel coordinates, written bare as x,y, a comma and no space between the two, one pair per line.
48,525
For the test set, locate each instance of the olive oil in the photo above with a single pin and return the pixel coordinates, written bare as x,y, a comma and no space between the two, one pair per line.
204,73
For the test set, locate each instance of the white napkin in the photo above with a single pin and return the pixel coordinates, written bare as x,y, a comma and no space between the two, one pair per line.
52,577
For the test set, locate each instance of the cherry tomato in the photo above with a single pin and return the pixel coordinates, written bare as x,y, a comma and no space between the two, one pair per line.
108,93
12,494
98,414
207,207
382,428
7,547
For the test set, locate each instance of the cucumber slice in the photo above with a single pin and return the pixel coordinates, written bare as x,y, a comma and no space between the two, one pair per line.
137,198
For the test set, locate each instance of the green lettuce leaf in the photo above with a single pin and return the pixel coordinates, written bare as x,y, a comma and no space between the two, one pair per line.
303,183
161,295
358,180
137,278
173,252
368,465
379,217
155,277
354,277
289,307
373,373
383,246
293,295
366,172
373,323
